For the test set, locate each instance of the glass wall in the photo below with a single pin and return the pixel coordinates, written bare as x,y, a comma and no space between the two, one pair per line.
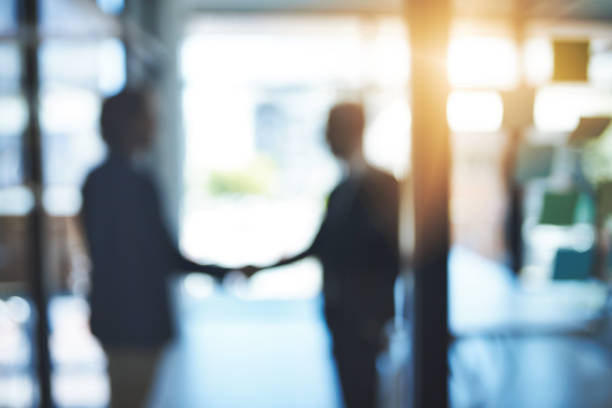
16,385
507,323
81,60
256,93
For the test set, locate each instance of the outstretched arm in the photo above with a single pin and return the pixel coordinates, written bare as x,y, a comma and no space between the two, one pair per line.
320,241
187,265
292,259
312,250
181,263
251,270
178,261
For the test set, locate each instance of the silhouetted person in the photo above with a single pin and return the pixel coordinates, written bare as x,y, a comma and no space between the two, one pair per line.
131,251
513,221
357,245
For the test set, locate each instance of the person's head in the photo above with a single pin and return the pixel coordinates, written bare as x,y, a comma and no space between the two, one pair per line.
344,132
126,121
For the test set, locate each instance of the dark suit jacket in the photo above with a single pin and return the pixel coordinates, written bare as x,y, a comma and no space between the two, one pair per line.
357,245
132,256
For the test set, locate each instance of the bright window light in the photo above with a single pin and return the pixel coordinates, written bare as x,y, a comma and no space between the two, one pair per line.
469,111
600,69
89,63
62,200
387,139
17,391
256,96
69,109
17,200
219,127
223,58
11,61
14,114
111,77
558,108
538,58
388,63
482,62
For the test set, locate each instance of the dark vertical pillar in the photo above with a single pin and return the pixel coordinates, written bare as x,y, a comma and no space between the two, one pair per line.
514,190
428,22
516,137
29,17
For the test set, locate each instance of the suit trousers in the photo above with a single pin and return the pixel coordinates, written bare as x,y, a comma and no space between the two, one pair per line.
356,363
131,372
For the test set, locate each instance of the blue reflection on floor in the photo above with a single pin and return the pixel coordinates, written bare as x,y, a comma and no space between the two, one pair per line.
234,353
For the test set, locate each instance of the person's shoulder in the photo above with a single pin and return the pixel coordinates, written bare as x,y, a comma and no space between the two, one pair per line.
334,191
94,175
107,172
93,185
380,177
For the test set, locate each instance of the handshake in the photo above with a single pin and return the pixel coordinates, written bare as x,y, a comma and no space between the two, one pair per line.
249,270
220,272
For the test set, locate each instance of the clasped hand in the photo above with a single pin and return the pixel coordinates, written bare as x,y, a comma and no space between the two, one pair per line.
249,270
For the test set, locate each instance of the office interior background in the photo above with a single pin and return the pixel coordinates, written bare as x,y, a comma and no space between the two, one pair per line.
515,309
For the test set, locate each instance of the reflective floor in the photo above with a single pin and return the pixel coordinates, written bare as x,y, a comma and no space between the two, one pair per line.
547,345
230,353
234,353
531,371
537,347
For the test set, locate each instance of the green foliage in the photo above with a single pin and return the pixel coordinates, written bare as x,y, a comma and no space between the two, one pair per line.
597,158
258,177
